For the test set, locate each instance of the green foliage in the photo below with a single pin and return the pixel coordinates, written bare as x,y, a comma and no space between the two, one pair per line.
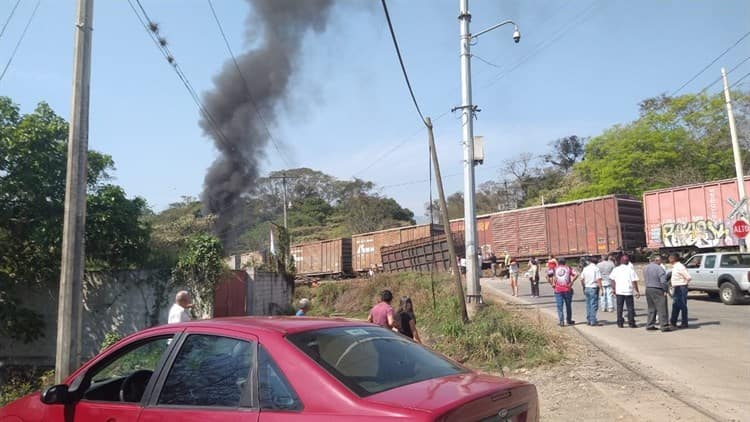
23,382
171,228
497,337
200,267
675,141
33,153
110,338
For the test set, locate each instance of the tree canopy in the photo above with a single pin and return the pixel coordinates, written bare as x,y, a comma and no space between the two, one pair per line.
33,153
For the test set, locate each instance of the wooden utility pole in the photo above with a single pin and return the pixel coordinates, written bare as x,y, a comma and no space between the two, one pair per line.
446,222
74,219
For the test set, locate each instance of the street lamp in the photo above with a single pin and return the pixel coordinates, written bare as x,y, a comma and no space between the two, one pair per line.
473,289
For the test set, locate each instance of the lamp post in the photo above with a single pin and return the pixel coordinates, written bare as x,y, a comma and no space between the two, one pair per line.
473,289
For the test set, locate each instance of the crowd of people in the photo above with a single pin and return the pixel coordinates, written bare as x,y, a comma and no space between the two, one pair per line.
610,284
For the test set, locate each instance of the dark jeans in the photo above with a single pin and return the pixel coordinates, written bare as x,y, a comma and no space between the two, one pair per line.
679,304
534,286
626,300
566,298
657,304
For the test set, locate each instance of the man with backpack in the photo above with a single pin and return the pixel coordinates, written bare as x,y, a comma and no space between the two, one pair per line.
562,283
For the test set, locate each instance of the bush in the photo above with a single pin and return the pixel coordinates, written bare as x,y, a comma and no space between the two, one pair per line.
24,381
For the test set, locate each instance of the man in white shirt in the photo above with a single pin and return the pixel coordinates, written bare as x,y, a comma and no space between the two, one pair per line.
591,281
179,311
680,280
625,282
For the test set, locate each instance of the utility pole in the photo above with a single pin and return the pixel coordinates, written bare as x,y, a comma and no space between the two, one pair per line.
283,178
473,288
74,218
735,149
446,222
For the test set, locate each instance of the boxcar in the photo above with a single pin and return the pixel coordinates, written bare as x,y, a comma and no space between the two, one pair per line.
484,232
323,258
591,226
366,246
692,216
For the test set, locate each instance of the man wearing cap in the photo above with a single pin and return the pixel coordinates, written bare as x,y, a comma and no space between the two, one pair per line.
625,283
562,281
304,306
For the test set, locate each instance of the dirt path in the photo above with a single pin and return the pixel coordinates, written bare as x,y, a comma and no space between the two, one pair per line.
592,385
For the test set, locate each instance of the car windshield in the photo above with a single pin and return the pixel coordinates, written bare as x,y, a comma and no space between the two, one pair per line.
370,360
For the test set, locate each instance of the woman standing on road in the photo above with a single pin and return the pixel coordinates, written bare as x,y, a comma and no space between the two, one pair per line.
514,276
407,323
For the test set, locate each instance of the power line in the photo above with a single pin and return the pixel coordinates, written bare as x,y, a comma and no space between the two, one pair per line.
739,80
717,80
153,29
7,21
401,62
23,34
584,15
246,85
710,64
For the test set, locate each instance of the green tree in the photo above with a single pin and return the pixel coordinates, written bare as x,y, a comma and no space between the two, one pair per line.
200,267
675,141
33,151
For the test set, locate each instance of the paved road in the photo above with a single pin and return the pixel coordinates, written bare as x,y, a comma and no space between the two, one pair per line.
706,365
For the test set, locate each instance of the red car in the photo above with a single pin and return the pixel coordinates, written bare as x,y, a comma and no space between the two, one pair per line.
274,369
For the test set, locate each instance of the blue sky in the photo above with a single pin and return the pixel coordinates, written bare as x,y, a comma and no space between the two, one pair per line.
581,67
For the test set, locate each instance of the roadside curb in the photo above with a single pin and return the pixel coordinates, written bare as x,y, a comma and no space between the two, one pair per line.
607,350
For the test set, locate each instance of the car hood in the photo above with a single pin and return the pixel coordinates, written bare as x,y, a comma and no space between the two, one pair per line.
468,396
28,408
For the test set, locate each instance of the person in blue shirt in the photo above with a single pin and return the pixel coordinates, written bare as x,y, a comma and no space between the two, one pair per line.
304,306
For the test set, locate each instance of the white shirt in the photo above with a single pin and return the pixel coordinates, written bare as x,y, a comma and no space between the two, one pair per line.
178,314
624,278
590,275
680,275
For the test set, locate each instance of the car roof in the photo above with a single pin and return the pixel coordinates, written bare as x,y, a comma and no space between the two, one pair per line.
273,324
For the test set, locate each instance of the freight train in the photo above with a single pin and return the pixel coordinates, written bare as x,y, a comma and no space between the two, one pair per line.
679,218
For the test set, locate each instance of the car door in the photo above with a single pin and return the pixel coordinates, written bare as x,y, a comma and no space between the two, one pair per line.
693,266
277,399
115,385
208,378
704,277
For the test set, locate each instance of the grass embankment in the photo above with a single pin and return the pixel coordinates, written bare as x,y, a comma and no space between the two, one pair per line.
497,337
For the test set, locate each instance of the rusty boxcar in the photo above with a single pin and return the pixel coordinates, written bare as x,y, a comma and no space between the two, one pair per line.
323,257
484,232
591,226
421,255
366,246
691,216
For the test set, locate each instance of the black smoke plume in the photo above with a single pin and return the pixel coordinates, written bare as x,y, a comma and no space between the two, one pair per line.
275,29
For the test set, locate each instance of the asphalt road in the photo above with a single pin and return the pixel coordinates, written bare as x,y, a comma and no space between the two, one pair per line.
706,365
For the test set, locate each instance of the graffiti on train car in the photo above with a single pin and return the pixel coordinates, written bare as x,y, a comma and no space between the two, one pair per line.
700,233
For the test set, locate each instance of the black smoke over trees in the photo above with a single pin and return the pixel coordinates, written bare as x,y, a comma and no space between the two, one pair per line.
242,105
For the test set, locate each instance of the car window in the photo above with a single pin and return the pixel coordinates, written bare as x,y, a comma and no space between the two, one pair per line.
369,360
710,261
694,262
210,371
735,260
274,391
125,378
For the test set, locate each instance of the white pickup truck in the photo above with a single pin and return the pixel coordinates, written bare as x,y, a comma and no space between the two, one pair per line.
722,274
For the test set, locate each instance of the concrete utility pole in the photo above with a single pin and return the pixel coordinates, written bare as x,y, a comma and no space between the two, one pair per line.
735,148
74,219
473,288
446,221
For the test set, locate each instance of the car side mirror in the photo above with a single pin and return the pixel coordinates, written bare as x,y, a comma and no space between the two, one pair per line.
57,394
